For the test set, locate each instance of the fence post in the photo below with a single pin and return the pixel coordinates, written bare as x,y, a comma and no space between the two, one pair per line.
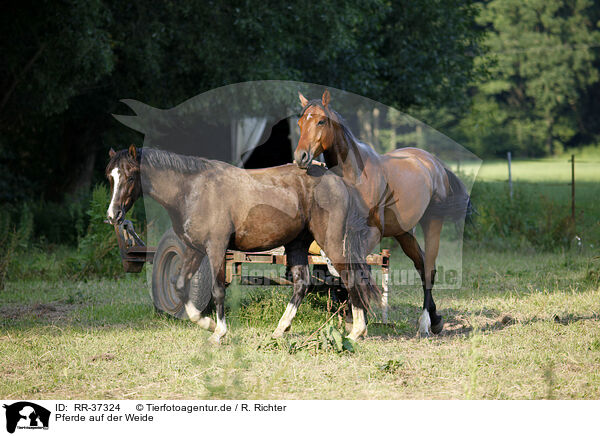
509,175
573,190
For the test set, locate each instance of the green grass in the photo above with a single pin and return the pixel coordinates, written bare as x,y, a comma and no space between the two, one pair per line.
556,169
525,325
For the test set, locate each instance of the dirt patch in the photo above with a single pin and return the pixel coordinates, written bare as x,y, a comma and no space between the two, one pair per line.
49,312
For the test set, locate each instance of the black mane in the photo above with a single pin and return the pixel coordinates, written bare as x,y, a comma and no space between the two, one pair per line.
164,160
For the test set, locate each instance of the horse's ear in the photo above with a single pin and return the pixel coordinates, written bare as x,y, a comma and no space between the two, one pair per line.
111,153
133,151
326,98
303,99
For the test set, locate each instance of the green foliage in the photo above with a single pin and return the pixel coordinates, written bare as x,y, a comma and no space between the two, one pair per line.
329,338
60,222
97,251
525,219
392,366
54,108
543,63
8,242
14,241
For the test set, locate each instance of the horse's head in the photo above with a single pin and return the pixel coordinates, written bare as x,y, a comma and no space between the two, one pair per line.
317,129
123,173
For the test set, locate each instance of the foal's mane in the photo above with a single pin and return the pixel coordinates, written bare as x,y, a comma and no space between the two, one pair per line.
164,160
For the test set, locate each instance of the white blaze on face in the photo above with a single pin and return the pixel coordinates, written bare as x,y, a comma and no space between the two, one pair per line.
111,208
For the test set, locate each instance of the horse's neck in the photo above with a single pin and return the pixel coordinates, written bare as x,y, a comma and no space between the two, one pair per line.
349,156
163,185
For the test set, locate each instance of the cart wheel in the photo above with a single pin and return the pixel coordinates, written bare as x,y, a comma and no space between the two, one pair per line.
167,261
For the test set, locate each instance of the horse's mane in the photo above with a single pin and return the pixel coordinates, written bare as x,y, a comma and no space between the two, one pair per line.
164,160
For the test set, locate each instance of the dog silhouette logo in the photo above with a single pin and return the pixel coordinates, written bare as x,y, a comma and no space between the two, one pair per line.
26,415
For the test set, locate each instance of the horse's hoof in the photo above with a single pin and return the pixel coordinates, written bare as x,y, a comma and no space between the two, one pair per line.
277,334
437,328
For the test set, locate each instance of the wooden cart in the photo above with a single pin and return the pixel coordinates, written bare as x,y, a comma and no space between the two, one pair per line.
167,256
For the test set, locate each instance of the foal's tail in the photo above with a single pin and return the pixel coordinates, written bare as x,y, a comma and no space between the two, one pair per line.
456,205
361,285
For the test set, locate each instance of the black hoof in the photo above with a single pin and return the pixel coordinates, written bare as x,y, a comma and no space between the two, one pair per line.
437,327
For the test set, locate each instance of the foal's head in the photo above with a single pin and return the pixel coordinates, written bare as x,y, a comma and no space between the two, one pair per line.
317,129
123,173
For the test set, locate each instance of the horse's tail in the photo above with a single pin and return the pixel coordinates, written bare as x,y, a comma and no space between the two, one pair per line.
456,205
361,285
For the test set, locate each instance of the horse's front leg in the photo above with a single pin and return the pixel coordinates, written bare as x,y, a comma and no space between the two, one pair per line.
215,250
356,275
191,262
353,276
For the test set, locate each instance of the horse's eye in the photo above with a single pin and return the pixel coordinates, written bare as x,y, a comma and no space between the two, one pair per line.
130,179
320,123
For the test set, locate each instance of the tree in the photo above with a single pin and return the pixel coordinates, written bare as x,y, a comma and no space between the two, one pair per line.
67,65
546,54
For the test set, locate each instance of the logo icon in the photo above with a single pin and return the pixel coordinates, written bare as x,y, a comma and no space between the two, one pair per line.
26,415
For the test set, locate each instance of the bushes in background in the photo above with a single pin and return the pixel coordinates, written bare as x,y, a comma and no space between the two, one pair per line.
529,218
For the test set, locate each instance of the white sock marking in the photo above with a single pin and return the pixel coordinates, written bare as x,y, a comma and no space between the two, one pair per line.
192,313
424,323
196,316
287,317
359,326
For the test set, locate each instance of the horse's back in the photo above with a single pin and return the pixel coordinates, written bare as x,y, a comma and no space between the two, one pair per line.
418,164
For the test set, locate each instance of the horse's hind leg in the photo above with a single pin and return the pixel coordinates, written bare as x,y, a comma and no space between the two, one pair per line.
432,230
191,262
215,251
297,255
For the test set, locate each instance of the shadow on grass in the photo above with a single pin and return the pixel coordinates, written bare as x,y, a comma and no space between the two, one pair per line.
456,323
139,315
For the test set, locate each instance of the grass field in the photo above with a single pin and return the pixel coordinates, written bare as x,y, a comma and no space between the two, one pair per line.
523,326
556,169
526,324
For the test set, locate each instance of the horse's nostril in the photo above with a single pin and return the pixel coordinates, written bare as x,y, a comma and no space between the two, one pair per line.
302,158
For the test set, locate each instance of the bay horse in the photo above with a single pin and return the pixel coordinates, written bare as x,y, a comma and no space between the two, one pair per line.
215,206
401,189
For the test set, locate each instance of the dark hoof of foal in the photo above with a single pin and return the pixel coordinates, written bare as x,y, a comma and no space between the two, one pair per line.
437,327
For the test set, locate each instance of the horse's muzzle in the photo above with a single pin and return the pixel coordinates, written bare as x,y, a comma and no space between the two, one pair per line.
303,158
118,218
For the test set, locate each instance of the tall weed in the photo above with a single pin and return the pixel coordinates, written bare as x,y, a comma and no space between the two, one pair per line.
14,240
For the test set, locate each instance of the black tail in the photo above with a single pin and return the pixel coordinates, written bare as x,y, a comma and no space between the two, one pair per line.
457,204
361,286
